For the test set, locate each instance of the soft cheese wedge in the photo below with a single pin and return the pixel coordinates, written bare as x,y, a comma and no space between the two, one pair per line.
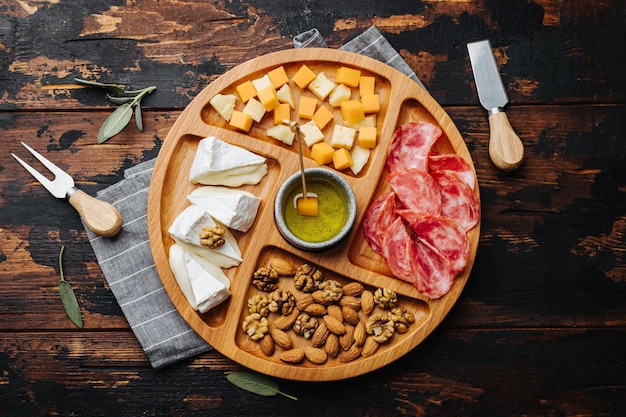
232,207
204,285
186,232
219,163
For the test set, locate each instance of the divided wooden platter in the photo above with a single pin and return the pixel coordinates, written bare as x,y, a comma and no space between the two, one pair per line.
402,100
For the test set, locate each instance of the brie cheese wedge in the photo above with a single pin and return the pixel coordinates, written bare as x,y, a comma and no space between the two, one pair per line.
186,232
205,285
219,163
234,208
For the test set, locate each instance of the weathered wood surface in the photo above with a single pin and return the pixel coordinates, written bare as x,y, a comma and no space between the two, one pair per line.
540,329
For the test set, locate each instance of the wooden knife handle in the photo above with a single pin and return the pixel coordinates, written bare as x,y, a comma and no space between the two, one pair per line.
100,217
505,147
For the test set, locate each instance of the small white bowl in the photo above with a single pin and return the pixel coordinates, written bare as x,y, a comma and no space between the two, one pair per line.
295,181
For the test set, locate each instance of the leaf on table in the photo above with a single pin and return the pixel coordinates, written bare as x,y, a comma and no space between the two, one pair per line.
70,303
115,122
257,384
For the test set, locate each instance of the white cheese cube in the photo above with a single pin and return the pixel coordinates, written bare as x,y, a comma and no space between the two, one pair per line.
261,83
321,86
311,134
340,93
255,109
285,95
343,137
224,105
282,133
360,156
369,121
232,207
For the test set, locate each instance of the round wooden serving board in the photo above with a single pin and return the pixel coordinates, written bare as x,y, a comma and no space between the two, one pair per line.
402,101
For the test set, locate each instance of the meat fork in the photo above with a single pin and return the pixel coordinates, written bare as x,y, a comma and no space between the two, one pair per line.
100,217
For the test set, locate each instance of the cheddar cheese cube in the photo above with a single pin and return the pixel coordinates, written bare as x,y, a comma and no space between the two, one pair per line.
307,106
282,112
321,86
254,109
241,120
348,76
322,153
246,91
342,159
278,76
267,97
343,137
366,85
340,93
352,111
371,103
322,116
367,137
304,76
311,134
308,206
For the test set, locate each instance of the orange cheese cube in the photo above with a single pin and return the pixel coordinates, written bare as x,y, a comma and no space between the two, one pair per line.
246,91
352,111
322,116
366,85
308,206
348,76
342,159
322,153
241,120
267,97
367,137
307,107
371,103
282,112
304,76
278,76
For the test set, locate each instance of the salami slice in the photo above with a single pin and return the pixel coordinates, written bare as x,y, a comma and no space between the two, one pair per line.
432,273
444,235
452,162
417,190
399,251
378,217
458,201
410,146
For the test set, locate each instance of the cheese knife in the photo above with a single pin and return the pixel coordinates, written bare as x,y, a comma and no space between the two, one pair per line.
505,147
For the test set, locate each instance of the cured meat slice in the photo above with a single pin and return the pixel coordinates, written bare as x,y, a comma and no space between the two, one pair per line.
399,251
410,146
452,162
443,234
417,190
458,201
378,217
433,275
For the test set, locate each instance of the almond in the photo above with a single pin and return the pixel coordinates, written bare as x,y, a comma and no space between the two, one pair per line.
335,311
285,322
281,339
334,325
318,296
347,339
350,354
320,335
282,267
332,346
315,309
350,316
295,355
314,355
305,301
367,302
267,345
350,301
353,288
360,334
370,347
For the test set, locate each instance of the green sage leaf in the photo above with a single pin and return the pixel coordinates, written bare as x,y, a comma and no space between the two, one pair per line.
115,89
257,384
68,298
119,100
115,122
138,118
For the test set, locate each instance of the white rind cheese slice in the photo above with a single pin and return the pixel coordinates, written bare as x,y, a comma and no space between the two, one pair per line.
177,265
219,163
186,232
234,208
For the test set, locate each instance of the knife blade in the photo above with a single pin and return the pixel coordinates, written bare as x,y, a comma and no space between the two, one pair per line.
505,147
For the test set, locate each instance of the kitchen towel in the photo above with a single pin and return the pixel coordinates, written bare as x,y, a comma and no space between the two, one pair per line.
126,259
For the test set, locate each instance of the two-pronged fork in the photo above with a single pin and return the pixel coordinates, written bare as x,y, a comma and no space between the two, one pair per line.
100,217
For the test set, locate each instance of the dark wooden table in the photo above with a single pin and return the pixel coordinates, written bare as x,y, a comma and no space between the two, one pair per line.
540,329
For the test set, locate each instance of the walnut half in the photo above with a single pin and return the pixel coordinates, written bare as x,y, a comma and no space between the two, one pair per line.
212,237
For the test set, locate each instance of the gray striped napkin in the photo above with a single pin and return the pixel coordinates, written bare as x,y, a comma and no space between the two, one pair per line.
126,259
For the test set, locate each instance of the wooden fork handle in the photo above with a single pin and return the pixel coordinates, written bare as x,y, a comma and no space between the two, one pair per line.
100,217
